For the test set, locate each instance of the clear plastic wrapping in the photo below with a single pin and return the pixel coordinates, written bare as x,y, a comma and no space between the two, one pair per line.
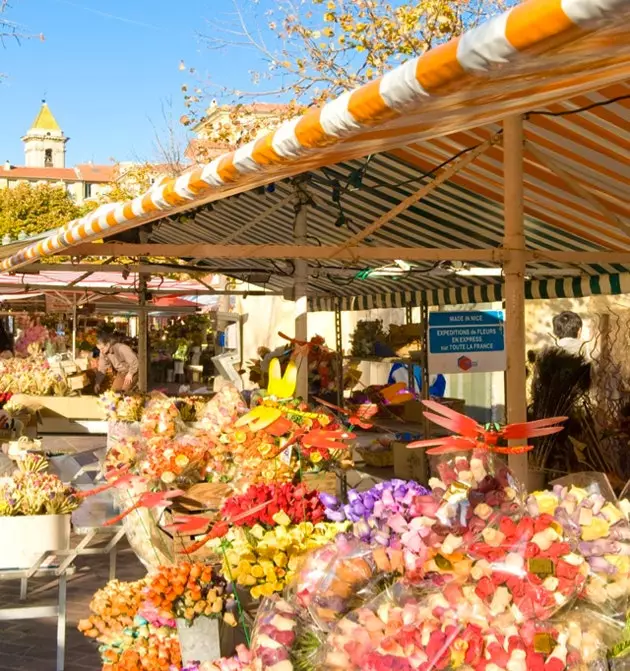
474,488
274,635
161,417
453,629
590,514
341,576
222,410
526,568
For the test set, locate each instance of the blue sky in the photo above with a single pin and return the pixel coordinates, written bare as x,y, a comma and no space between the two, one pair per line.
105,70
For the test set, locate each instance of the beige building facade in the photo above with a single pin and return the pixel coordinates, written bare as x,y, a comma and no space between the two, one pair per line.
45,162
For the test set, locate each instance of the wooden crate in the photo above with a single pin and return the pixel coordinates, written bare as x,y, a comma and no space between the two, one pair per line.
322,482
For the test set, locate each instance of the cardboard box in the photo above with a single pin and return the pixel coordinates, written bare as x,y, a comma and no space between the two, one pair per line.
82,364
323,482
69,367
412,411
410,464
77,382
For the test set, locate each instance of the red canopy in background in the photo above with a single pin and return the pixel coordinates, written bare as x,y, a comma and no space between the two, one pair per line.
173,302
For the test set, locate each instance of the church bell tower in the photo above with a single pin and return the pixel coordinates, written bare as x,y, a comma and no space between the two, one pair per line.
45,143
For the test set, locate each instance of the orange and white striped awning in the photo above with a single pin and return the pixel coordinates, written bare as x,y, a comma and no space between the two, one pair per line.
539,53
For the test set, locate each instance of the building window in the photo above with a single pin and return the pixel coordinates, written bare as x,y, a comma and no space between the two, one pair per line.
48,158
87,190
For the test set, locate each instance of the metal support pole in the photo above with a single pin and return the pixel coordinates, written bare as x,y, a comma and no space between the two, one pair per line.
143,337
61,622
339,350
300,285
424,320
411,378
514,271
74,327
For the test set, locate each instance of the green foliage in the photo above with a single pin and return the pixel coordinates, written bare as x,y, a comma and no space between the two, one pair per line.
36,208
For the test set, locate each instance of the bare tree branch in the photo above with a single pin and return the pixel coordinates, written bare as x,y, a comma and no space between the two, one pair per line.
312,50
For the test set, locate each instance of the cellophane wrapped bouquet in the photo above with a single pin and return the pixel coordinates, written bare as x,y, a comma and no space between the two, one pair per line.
472,574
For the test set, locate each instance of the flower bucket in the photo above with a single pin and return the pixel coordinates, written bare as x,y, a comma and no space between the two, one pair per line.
26,538
200,641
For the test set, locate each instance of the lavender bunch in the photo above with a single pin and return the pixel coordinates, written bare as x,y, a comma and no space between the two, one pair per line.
371,511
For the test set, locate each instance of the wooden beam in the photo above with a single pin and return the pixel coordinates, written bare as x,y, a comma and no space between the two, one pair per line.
154,269
52,289
578,188
288,252
256,221
442,176
578,258
514,289
496,255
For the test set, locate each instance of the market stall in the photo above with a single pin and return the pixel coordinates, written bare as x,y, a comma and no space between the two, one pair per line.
454,186
470,571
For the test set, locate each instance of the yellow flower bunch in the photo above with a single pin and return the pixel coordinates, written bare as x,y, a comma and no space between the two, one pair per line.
266,560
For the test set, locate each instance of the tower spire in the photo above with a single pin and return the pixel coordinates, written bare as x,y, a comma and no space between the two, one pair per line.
44,142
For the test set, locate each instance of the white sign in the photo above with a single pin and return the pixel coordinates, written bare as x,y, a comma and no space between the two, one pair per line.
466,342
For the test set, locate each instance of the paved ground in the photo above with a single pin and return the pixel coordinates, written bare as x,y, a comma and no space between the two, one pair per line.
30,645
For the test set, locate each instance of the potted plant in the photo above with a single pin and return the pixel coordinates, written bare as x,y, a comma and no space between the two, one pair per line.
35,510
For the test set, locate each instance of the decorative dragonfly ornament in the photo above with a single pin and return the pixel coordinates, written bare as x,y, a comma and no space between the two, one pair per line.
473,436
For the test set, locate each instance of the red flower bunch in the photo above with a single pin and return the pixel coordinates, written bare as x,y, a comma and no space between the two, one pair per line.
299,504
5,397
527,565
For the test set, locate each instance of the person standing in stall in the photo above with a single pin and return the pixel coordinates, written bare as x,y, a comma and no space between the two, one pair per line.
119,357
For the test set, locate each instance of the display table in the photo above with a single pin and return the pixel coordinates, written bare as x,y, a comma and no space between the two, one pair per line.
37,612
67,414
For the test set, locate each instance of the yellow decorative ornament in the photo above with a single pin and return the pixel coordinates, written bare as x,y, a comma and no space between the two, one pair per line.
259,418
282,386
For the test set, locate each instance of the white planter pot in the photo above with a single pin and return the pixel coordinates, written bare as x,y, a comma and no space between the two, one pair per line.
26,538
199,641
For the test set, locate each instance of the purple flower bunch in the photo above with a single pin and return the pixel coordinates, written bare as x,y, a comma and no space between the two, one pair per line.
371,511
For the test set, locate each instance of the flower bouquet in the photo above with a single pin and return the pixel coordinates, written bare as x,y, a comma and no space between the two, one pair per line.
187,591
180,460
121,407
142,647
274,635
160,418
34,335
603,534
265,560
114,608
33,491
35,509
31,375
341,576
222,410
240,661
386,515
450,630
266,501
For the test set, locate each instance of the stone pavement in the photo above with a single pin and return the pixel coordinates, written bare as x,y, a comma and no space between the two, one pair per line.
30,645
